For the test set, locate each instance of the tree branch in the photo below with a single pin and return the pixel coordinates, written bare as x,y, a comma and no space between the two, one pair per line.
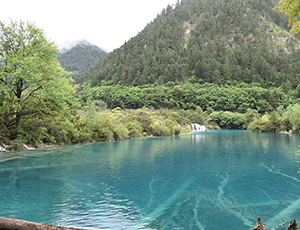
40,87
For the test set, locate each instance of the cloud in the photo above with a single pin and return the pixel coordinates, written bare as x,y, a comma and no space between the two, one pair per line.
107,24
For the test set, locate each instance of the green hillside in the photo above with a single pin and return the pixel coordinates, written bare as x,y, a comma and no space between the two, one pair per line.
227,64
80,58
203,41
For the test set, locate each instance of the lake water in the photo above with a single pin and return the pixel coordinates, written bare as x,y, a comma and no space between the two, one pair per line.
206,180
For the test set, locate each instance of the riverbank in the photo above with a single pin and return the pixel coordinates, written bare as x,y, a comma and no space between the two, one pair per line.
9,145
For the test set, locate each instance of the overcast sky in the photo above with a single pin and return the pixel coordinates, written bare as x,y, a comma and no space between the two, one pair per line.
105,23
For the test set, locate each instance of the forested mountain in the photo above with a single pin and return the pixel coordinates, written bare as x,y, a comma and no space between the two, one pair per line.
228,64
200,41
80,58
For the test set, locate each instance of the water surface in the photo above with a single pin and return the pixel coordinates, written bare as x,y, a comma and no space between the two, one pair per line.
206,180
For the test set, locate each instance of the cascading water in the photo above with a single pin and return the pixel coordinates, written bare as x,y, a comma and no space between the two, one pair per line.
197,128
2,149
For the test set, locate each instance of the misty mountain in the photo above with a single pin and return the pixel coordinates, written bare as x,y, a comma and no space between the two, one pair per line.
80,58
202,41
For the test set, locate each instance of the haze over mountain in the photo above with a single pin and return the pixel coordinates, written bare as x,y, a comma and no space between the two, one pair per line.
206,41
80,57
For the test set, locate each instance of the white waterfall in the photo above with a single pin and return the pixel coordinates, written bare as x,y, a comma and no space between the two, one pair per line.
28,148
197,127
2,149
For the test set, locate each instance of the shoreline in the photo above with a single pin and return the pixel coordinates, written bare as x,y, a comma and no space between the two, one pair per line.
3,147
9,148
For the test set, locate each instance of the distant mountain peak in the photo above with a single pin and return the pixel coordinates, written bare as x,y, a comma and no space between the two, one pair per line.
79,57
67,45
84,42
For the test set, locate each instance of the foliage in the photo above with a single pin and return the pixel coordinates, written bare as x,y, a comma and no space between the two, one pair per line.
33,86
18,145
232,97
292,118
288,120
227,120
117,124
292,10
267,123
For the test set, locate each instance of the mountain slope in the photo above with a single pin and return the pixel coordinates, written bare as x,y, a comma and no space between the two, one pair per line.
80,58
206,41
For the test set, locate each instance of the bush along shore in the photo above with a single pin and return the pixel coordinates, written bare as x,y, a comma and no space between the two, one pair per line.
92,125
96,124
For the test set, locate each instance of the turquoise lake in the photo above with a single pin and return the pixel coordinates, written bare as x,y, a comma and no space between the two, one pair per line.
205,180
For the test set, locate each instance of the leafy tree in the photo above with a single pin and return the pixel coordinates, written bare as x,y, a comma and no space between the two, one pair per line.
32,82
273,124
292,10
292,114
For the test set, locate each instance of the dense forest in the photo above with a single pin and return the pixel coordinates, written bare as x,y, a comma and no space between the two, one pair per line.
200,42
225,64
231,56
80,58
210,97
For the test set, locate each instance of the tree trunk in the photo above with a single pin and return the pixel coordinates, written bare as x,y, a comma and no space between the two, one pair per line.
292,225
259,225
13,224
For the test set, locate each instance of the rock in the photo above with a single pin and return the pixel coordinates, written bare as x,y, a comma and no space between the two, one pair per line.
13,224
259,225
292,225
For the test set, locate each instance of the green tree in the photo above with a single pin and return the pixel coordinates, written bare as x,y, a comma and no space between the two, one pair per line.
31,80
292,114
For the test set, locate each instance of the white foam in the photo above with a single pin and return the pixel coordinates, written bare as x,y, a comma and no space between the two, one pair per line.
2,149
197,127
28,148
